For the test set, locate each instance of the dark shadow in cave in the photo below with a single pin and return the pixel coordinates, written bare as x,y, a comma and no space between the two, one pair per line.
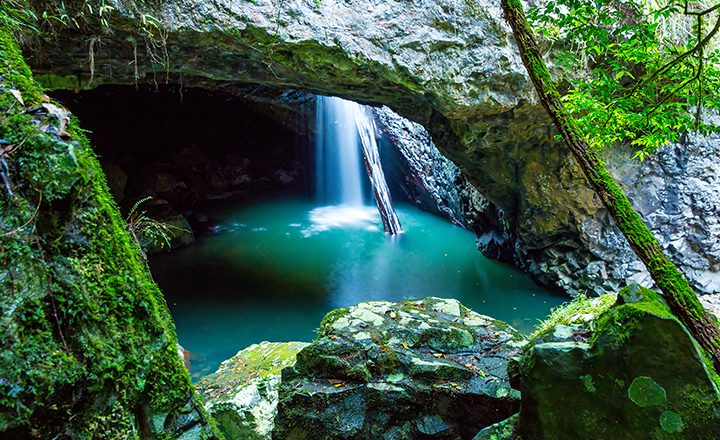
190,146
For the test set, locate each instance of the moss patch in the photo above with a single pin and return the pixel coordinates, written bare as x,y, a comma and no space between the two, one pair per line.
632,371
88,340
581,309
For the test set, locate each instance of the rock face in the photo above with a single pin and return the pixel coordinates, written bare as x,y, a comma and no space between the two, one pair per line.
631,370
242,396
88,345
676,192
433,183
422,369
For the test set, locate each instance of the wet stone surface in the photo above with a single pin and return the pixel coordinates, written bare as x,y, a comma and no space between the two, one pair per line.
420,369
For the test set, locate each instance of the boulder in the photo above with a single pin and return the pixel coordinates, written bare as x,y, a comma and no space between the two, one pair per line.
242,395
623,369
415,369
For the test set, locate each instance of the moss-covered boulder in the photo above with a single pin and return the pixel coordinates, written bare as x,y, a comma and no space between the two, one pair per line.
420,369
242,395
88,345
602,369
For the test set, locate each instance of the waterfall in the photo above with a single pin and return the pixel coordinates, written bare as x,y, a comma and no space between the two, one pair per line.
342,128
339,171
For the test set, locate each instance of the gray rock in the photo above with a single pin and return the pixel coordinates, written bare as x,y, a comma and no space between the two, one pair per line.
242,395
676,192
422,369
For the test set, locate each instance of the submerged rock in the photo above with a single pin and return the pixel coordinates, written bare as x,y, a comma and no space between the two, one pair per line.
420,369
242,395
623,370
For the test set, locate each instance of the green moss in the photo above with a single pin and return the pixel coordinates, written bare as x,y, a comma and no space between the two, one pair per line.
617,323
587,381
330,319
51,81
576,311
81,315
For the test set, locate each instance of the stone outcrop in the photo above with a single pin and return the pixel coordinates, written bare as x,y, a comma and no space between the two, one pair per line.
676,192
630,369
88,345
242,395
421,369
431,182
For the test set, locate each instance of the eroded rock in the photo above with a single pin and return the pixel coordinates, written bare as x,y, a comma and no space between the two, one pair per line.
420,369
242,395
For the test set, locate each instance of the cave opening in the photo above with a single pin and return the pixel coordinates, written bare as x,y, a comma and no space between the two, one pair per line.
254,255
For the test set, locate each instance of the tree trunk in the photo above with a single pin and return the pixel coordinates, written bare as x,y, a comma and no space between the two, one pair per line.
682,299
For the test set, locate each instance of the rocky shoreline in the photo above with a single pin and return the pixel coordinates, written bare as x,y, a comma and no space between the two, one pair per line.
435,369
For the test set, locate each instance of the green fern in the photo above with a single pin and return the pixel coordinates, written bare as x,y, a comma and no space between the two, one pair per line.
147,231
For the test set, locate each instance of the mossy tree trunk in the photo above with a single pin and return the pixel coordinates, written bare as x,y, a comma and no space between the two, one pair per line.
682,299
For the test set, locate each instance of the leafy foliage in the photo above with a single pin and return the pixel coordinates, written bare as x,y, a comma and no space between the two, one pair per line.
634,72
20,15
147,231
15,15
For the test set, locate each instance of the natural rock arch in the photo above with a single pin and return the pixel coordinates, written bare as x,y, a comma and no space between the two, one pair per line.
451,66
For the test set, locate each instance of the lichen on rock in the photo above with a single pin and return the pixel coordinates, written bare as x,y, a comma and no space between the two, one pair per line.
242,395
428,368
631,370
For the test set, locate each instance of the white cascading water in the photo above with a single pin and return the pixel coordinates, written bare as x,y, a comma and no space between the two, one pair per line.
339,172
342,127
